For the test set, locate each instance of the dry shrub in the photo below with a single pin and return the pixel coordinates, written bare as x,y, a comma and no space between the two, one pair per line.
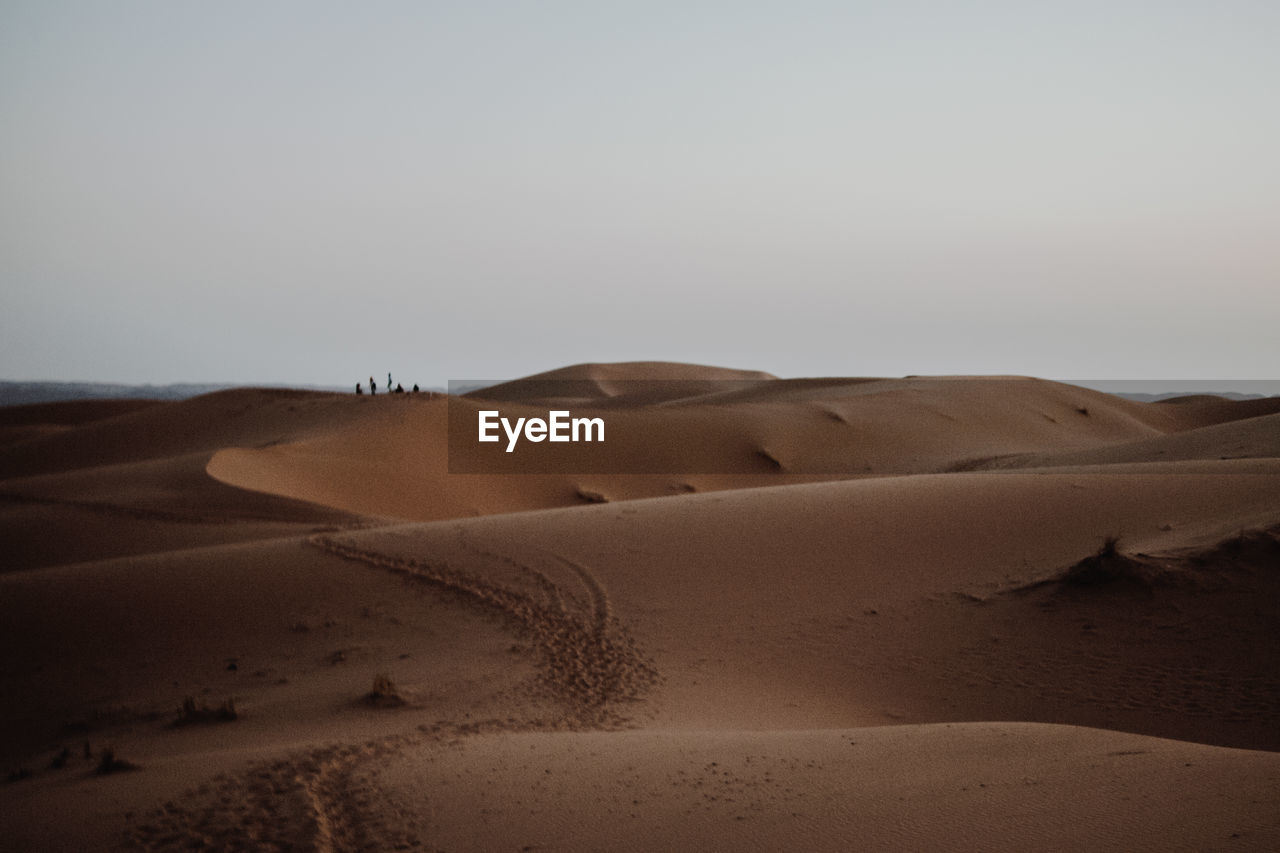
384,693
191,713
109,762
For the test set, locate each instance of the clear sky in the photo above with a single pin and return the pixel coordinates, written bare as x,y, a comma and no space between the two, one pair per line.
313,192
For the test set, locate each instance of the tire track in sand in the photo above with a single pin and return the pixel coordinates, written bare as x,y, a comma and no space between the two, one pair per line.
587,659
312,800
323,799
601,609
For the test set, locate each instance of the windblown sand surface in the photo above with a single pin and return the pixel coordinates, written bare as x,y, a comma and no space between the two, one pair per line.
928,613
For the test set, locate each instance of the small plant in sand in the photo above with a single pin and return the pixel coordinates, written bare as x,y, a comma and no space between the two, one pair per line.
109,762
1103,567
190,713
384,693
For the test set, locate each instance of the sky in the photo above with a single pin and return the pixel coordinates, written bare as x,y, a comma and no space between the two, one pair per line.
266,192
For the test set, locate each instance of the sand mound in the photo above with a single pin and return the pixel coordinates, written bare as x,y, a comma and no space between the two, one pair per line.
1251,437
1206,409
390,455
822,604
1222,565
626,383
949,787
71,413
906,787
20,424
237,418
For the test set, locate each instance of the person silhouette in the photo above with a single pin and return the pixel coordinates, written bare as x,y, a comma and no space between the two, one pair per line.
415,387
399,388
359,390
388,381
373,386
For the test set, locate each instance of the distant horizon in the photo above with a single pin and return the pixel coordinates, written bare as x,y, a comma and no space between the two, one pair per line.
444,383
1154,387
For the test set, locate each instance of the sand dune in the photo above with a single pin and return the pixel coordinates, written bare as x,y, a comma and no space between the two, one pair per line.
824,634
1246,438
392,460
70,413
886,788
1205,409
924,613
636,383
243,417
41,420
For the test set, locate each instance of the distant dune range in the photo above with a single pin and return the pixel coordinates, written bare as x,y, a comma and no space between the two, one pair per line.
924,613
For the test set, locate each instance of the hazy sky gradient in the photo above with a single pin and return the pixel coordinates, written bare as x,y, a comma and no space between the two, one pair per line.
313,192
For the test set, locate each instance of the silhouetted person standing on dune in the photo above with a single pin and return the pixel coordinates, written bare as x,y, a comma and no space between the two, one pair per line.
373,386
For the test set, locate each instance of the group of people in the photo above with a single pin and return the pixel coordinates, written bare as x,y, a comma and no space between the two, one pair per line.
373,387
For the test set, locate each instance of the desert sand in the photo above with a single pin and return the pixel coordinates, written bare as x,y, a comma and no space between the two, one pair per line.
962,613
